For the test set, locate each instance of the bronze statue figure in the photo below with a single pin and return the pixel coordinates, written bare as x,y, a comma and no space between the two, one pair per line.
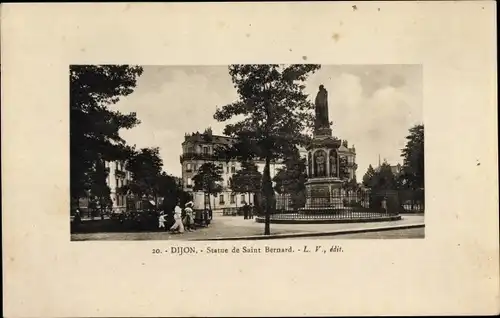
321,102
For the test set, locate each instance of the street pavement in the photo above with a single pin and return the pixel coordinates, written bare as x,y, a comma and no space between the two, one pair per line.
236,226
412,233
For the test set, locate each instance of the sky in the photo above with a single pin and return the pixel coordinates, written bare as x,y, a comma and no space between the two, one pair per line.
371,106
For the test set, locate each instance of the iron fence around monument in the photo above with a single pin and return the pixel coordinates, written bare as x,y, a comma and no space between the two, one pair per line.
349,206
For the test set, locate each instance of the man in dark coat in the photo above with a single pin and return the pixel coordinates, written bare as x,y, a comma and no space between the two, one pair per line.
245,211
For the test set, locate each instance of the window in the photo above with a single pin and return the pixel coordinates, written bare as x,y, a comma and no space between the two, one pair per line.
233,198
242,198
188,167
195,167
233,169
189,183
227,169
221,198
205,150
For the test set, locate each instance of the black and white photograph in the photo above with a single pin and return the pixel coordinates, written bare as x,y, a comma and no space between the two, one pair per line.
212,159
246,152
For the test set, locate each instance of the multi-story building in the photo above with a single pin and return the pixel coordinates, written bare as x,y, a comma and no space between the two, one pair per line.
199,148
118,176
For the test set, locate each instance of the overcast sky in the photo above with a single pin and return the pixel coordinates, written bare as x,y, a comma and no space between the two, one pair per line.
372,106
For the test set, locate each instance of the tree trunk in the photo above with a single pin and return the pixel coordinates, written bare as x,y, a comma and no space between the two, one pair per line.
266,191
209,201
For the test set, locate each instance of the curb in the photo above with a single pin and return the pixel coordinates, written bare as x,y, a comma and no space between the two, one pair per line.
313,234
330,221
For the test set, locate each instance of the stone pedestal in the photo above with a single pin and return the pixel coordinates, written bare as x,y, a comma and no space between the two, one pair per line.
323,193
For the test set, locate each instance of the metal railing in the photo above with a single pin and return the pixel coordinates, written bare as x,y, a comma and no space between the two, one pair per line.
347,205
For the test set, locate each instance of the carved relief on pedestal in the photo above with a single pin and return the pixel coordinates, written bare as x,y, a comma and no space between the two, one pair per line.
333,163
343,169
320,164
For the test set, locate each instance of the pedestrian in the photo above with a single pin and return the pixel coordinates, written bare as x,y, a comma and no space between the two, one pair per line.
178,227
161,221
384,205
210,215
245,211
250,210
205,217
189,220
78,217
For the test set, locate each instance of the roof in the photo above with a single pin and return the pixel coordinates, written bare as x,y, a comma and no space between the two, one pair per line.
343,148
395,169
212,139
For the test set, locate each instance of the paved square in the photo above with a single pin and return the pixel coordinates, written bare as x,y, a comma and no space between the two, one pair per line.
229,226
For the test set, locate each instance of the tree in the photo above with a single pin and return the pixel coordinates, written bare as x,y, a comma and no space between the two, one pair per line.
384,179
247,180
276,113
145,167
169,189
351,185
99,190
207,180
413,158
412,180
291,179
368,177
94,127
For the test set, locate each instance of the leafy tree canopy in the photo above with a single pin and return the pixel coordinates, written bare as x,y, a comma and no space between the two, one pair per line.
413,158
274,115
94,127
275,110
208,179
248,179
292,177
145,167
368,176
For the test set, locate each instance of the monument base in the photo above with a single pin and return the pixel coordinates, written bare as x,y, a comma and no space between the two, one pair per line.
324,194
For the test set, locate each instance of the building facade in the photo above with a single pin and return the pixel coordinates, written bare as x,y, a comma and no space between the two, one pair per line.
118,177
199,148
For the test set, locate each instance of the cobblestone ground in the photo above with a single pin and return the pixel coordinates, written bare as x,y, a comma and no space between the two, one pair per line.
227,226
